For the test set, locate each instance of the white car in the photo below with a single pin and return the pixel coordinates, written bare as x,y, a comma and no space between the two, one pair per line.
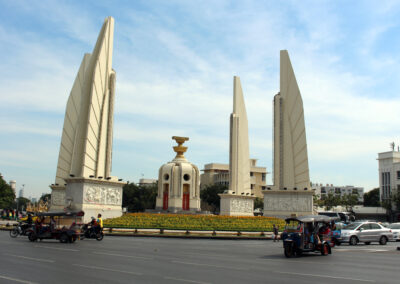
365,232
395,227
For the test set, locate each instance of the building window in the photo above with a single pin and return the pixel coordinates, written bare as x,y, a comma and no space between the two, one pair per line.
398,174
263,187
263,175
252,186
251,174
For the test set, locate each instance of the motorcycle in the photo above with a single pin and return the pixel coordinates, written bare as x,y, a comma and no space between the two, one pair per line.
19,230
92,233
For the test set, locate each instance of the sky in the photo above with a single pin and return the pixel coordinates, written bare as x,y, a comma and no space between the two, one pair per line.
175,62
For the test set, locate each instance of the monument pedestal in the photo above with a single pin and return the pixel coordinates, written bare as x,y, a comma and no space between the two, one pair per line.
91,196
236,205
284,203
57,198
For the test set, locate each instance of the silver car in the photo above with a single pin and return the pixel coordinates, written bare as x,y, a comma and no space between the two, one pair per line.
365,232
395,227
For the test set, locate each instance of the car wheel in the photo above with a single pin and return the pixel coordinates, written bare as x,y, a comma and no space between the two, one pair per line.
63,238
383,240
288,250
367,243
337,242
325,249
14,233
353,241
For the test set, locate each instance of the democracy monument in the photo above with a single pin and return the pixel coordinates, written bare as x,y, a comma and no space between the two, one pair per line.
83,178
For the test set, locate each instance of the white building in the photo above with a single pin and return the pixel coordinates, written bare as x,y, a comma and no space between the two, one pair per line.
147,181
215,173
389,173
323,190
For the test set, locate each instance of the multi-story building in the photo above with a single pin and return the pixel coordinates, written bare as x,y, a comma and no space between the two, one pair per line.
389,173
214,173
323,190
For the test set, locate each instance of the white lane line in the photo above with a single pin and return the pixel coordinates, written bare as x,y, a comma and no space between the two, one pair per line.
108,269
56,248
16,280
30,258
210,265
185,280
323,276
122,255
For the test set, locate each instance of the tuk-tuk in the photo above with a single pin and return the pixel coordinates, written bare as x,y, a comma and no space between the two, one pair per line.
307,234
61,226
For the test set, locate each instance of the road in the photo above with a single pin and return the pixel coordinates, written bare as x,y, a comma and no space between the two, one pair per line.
168,260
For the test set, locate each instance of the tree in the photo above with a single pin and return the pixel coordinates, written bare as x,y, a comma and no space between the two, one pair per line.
210,195
139,198
331,200
259,203
349,201
46,197
7,195
371,198
21,203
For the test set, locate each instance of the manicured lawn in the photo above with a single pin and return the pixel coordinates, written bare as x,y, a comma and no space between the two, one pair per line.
193,222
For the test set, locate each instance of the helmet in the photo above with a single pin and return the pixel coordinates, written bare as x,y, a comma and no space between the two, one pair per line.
93,218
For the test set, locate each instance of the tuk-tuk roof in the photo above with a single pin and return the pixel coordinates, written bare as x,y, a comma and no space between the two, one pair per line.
62,213
310,218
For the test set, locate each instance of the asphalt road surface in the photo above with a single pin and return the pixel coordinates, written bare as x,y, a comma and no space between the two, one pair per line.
167,260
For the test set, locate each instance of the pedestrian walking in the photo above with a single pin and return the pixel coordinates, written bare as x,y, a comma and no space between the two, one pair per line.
276,232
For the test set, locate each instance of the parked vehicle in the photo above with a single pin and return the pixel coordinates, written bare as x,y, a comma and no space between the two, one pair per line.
395,227
305,234
63,233
345,217
19,229
90,232
365,232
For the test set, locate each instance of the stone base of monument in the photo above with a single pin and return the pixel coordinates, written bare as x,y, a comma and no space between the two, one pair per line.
175,205
91,196
286,203
236,205
57,198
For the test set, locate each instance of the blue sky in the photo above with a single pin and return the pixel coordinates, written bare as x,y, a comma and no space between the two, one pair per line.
175,62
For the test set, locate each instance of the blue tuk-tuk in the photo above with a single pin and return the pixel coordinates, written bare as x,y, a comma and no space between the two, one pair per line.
307,234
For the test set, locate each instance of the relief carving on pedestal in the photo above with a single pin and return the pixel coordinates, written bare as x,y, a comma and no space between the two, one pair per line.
103,195
241,205
58,198
288,203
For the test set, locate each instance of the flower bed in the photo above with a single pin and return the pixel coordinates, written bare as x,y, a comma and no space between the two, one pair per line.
193,222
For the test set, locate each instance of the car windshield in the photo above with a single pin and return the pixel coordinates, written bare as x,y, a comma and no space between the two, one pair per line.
351,226
394,226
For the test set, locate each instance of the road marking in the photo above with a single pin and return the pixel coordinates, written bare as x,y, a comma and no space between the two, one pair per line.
122,255
56,248
16,280
203,264
324,276
30,258
108,269
185,280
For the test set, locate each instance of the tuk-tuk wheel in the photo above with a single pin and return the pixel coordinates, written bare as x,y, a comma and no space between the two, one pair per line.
63,238
289,250
325,249
32,237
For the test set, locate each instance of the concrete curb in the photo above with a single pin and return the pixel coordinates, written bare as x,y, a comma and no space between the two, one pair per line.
182,234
